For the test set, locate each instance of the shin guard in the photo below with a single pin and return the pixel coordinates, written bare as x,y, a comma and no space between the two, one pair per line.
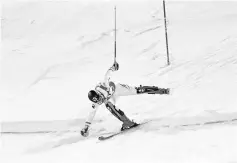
117,113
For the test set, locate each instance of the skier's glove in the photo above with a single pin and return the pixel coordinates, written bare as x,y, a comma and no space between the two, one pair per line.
115,66
85,131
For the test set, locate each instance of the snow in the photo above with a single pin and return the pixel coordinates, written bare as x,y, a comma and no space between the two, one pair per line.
54,52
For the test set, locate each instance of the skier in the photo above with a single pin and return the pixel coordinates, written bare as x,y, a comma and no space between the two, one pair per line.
107,92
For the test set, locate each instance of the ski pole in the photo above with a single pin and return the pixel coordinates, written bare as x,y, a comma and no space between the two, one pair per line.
115,34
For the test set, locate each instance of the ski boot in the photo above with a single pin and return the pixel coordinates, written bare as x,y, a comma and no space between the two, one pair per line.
128,125
152,90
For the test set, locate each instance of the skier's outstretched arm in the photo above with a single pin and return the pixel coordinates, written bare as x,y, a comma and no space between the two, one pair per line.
108,74
85,130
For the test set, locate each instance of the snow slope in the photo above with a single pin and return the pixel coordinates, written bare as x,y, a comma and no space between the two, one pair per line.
55,51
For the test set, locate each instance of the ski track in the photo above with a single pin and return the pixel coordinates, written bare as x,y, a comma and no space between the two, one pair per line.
55,139
154,122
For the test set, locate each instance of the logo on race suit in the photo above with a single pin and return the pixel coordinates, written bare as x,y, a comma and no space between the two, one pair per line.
112,88
93,106
125,86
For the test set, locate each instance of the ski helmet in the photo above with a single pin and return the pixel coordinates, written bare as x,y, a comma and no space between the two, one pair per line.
94,96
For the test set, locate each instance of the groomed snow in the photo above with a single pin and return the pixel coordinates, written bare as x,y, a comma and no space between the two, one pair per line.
53,52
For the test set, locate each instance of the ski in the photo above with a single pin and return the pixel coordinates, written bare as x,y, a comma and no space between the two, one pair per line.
152,90
121,132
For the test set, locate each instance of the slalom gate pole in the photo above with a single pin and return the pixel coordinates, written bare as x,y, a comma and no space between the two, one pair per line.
166,35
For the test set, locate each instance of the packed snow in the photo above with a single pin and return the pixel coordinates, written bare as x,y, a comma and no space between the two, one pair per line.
54,52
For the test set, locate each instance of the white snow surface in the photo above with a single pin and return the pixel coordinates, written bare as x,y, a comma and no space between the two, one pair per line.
54,52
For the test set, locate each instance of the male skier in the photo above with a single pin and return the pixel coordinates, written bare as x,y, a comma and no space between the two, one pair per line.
107,93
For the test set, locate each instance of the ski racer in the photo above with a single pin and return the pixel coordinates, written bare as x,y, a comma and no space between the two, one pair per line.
107,92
